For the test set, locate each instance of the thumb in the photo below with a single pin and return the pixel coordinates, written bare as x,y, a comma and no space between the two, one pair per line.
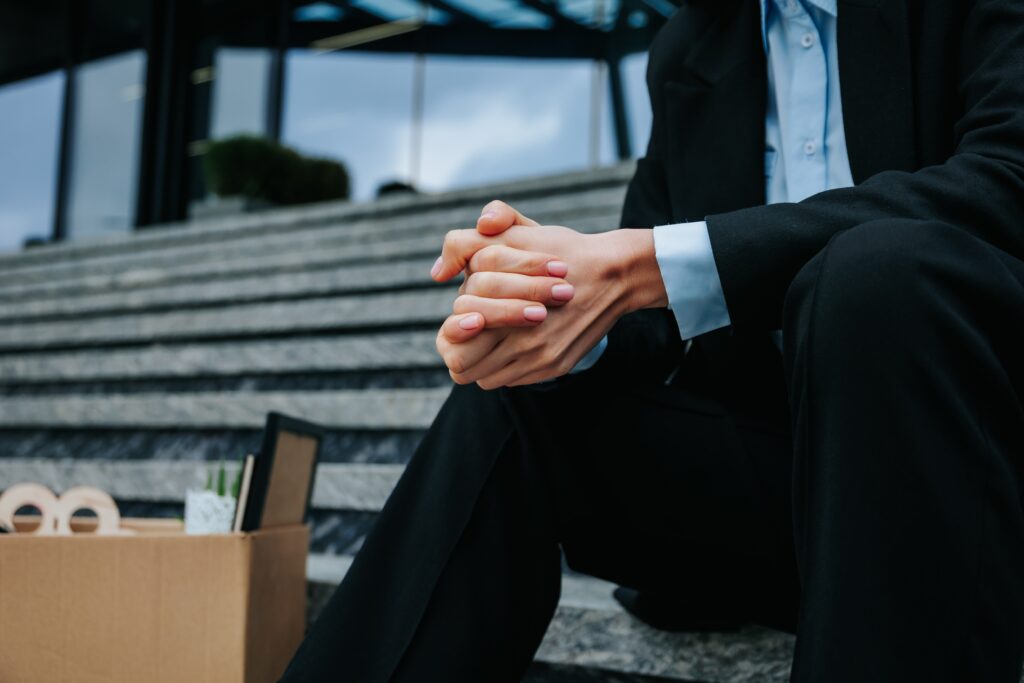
497,217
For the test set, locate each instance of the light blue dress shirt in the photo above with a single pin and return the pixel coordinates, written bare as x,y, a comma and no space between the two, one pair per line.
804,154
805,151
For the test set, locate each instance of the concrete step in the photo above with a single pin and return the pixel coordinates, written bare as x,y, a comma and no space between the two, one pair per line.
339,486
359,409
388,446
591,632
248,258
424,308
346,280
526,194
267,263
395,351
584,208
542,672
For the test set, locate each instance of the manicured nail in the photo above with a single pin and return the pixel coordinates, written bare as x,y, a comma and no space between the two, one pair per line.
535,313
562,292
471,321
436,268
557,269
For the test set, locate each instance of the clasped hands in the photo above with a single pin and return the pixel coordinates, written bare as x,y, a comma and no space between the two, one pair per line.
537,298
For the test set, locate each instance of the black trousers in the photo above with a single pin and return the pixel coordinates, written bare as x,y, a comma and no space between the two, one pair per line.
885,527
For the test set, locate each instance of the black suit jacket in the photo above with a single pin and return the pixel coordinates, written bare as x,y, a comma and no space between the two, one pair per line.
933,108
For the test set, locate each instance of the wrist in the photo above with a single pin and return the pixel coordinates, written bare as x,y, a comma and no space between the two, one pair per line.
635,269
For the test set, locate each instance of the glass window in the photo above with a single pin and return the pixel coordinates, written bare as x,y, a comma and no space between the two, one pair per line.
599,14
504,13
483,119
354,107
638,105
30,113
492,119
240,81
108,99
396,10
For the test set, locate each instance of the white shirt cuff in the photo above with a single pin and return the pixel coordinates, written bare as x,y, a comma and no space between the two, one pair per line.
691,279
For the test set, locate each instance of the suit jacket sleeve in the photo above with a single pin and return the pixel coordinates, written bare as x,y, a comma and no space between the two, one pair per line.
980,188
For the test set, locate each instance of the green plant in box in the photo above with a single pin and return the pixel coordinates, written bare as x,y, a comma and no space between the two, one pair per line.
219,476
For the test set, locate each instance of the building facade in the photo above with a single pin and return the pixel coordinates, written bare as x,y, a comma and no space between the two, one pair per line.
108,106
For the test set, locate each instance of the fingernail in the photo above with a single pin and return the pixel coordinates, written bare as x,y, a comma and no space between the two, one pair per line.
471,321
436,268
535,313
557,269
489,214
562,292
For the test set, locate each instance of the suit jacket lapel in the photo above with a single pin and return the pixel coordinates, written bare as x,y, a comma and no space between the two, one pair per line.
714,111
715,102
876,83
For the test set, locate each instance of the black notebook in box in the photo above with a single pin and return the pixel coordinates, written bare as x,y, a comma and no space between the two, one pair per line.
283,473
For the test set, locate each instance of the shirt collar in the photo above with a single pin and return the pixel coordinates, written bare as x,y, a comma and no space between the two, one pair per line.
827,6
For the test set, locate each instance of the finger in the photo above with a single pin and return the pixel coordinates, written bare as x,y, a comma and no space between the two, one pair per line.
498,357
550,291
498,258
459,247
502,312
464,357
495,380
498,216
460,328
509,375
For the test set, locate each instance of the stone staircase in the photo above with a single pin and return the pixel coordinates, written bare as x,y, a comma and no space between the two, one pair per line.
132,362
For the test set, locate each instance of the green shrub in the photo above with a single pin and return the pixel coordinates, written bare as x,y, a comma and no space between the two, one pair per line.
259,168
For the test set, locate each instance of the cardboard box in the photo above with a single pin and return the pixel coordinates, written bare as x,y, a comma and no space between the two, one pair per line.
155,607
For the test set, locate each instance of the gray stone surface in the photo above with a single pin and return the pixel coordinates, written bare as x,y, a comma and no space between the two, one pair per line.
543,672
585,209
367,409
374,446
580,591
187,272
408,378
364,352
339,486
613,640
349,279
340,532
591,631
211,232
426,307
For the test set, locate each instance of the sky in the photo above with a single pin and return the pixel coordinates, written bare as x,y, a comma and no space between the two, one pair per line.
29,122
484,120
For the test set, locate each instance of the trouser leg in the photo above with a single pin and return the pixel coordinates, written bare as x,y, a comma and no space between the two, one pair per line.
647,486
904,352
450,534
660,489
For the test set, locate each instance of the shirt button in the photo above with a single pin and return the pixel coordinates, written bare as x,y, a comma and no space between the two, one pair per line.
807,40
810,147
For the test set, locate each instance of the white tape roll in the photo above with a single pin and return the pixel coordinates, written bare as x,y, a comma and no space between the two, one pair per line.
36,495
108,519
